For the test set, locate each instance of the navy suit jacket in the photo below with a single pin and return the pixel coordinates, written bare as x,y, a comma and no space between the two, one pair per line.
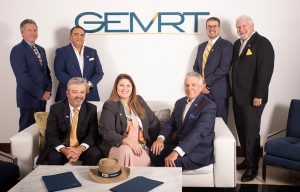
66,66
217,67
195,134
32,78
252,70
59,126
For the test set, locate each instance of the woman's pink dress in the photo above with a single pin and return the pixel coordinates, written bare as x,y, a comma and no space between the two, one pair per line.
124,153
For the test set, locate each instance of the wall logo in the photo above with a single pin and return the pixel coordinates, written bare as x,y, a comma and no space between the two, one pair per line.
130,22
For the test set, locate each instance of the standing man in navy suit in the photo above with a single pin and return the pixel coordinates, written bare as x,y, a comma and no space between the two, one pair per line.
29,63
193,120
252,69
213,62
77,60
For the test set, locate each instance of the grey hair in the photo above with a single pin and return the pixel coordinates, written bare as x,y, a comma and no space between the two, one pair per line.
27,21
195,74
78,81
245,17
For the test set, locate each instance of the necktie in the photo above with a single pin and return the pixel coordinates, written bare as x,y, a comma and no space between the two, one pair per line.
38,56
73,132
205,56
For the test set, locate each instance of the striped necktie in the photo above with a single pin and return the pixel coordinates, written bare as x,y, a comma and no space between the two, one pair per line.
73,132
205,56
38,56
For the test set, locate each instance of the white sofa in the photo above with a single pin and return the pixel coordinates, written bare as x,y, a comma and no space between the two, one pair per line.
24,146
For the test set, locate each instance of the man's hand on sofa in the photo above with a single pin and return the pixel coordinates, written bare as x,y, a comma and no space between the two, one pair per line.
157,146
170,159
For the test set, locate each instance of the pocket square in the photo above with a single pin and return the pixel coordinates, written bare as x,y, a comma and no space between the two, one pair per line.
91,59
249,52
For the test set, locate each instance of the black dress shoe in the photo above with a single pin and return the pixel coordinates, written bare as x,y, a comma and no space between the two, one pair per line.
243,165
249,175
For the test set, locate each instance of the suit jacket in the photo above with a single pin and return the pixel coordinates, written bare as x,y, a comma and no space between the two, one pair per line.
32,78
59,127
252,70
195,134
66,66
217,67
113,124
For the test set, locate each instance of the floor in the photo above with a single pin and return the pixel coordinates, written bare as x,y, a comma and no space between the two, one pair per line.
278,180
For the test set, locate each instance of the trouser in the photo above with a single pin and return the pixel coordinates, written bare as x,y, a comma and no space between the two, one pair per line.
222,108
27,115
247,121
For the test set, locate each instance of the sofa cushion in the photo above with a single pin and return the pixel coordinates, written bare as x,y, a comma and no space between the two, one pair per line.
163,115
203,170
41,121
284,147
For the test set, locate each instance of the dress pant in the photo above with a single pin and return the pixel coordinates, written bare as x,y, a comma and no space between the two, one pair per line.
185,162
247,121
27,115
222,108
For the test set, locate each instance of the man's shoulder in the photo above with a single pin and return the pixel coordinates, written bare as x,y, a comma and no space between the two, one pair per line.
225,41
90,105
89,49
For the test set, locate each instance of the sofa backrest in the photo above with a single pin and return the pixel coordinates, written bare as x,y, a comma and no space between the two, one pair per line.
156,106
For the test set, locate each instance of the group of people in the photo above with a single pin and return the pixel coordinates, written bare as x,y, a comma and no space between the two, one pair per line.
128,130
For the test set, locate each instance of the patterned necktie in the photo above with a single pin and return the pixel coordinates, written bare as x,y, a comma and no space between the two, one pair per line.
73,132
38,56
205,56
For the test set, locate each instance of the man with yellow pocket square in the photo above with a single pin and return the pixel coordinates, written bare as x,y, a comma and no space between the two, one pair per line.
252,68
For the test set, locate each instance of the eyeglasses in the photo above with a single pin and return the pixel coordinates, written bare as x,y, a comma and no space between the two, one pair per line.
212,26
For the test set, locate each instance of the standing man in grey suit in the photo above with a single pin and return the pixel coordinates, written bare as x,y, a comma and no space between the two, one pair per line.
77,60
252,68
213,62
29,63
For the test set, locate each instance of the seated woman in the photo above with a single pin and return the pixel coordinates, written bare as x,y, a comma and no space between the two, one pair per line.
127,125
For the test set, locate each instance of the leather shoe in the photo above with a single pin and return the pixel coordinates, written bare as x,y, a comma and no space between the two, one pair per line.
243,165
249,175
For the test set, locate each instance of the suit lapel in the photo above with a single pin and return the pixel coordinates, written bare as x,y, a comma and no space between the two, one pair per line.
73,57
66,115
248,45
85,61
191,109
122,115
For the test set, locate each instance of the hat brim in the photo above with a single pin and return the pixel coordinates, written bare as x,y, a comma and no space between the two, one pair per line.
124,175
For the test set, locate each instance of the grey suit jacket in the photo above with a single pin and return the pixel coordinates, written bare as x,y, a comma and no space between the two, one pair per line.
113,124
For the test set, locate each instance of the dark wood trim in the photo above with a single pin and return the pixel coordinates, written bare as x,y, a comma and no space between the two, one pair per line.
5,147
239,152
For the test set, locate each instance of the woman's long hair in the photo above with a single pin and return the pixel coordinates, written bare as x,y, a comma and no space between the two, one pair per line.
133,101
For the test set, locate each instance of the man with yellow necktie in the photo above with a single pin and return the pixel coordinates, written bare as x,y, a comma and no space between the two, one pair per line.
72,129
213,62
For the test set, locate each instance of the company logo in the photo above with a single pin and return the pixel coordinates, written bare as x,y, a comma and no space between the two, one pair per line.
131,22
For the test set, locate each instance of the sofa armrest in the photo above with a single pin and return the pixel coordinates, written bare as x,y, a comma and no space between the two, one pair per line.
25,146
225,155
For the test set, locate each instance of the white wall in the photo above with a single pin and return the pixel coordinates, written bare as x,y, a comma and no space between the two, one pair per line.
157,62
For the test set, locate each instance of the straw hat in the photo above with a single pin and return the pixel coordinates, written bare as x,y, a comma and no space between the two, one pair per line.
109,171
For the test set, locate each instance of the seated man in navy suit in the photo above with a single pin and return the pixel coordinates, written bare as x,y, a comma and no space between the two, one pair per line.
72,129
193,121
77,60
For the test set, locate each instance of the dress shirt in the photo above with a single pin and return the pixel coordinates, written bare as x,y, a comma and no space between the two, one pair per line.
80,58
71,117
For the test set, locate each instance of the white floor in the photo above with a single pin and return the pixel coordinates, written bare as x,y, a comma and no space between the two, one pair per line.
275,176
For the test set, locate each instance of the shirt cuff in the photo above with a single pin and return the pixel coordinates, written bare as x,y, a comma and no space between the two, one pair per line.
59,147
179,151
161,136
85,145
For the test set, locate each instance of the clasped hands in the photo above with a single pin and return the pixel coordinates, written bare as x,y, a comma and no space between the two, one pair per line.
156,149
72,153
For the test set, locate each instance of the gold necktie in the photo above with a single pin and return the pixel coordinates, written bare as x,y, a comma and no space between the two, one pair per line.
205,56
73,132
